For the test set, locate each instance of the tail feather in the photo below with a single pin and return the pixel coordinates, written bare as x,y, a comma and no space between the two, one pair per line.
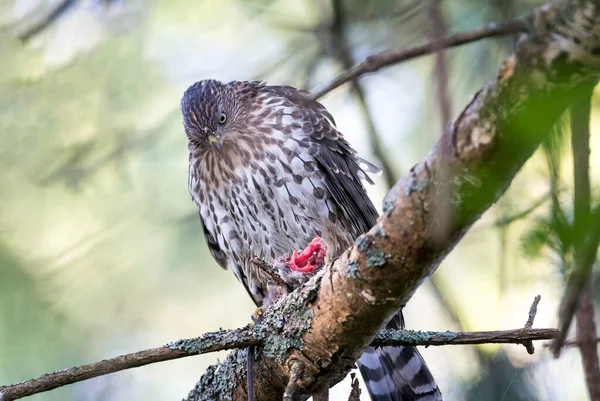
397,373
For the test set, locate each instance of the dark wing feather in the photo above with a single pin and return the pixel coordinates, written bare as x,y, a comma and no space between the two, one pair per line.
343,175
213,246
338,162
221,258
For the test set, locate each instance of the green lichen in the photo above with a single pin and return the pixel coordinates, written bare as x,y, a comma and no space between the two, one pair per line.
281,334
278,346
379,231
388,207
415,185
200,344
409,337
352,269
219,381
363,243
376,257
449,335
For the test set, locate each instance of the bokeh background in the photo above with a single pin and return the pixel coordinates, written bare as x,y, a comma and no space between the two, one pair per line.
101,252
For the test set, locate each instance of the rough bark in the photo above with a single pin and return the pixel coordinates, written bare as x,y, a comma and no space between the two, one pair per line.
323,327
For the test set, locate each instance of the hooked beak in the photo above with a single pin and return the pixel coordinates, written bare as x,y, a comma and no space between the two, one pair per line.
215,141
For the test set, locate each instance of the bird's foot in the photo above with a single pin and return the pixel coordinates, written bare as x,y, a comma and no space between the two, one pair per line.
310,259
274,292
257,314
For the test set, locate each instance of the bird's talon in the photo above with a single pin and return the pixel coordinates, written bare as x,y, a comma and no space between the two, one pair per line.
257,314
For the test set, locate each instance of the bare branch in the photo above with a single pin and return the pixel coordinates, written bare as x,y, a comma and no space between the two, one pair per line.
210,342
532,312
384,59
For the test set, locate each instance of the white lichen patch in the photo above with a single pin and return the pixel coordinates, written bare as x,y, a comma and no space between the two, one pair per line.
483,135
368,296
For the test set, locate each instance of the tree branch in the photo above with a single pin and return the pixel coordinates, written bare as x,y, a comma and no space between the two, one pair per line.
245,337
209,342
586,326
384,59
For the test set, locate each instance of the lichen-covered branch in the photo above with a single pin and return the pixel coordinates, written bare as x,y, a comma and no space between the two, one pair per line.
246,337
341,309
209,342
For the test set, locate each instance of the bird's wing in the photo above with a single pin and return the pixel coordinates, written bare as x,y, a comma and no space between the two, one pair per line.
342,172
337,161
218,254
213,245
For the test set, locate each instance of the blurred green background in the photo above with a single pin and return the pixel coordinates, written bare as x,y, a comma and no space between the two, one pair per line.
101,251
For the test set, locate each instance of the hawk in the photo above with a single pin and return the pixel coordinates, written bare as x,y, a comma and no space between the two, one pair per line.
271,174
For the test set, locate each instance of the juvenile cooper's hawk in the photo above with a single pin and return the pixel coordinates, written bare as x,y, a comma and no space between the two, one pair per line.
270,172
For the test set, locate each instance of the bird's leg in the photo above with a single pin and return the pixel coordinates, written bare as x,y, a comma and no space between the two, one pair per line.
274,292
250,372
311,258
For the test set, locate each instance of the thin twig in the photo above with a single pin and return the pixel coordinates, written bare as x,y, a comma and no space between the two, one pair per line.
269,271
529,323
532,311
250,373
245,337
380,60
52,15
209,342
355,388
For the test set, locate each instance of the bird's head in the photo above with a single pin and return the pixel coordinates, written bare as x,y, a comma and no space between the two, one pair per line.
210,111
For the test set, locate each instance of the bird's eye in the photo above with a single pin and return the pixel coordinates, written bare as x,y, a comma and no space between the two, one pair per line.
222,118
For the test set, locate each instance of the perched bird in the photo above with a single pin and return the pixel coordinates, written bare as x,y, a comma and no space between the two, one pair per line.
271,175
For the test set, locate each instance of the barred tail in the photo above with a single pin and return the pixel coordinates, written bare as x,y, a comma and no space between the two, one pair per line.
397,374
